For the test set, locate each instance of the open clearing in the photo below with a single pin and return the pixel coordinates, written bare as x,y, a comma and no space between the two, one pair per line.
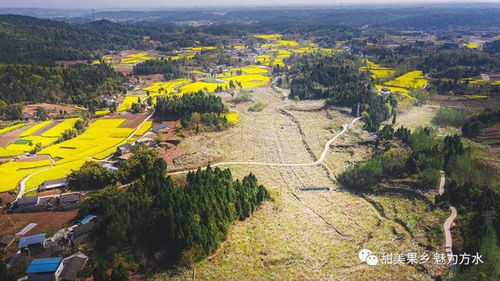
304,235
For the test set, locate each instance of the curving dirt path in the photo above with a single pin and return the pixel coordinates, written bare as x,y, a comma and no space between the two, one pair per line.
449,221
320,160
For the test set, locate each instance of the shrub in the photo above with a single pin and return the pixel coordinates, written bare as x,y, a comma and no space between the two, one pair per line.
257,107
451,117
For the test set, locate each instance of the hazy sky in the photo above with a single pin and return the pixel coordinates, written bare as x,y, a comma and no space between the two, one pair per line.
118,4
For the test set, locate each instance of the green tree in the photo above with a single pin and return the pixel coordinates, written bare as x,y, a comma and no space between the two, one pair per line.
41,114
90,176
119,273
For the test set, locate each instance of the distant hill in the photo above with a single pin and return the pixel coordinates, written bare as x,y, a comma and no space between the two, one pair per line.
30,40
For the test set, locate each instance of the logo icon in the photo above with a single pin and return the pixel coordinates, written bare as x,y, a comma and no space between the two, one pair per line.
367,256
363,254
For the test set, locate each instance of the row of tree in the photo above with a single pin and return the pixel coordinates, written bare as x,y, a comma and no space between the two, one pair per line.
164,223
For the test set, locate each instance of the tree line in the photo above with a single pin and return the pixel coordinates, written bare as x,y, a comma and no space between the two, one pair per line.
338,80
170,69
78,84
174,223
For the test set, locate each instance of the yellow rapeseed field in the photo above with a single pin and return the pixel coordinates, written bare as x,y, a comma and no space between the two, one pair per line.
10,128
268,36
201,48
12,172
377,71
144,128
126,104
35,128
412,79
58,129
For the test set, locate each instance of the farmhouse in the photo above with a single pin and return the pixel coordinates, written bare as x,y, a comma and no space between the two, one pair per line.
52,184
47,269
25,204
32,245
79,233
68,201
61,202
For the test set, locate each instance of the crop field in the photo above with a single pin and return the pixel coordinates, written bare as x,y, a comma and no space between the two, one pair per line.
201,48
397,90
10,128
30,138
126,104
168,87
136,58
402,84
472,45
268,36
101,137
476,97
181,56
377,71
412,79
144,128
53,173
476,80
35,128
264,59
12,172
250,69
98,141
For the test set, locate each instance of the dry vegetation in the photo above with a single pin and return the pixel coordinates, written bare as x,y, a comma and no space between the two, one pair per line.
306,235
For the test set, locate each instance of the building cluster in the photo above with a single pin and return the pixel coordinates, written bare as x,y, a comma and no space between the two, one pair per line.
42,257
59,202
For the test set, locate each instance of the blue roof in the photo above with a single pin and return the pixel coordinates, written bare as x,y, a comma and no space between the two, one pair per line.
29,240
87,219
159,127
44,265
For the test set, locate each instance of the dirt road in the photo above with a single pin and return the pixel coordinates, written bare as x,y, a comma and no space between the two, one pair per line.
320,160
449,221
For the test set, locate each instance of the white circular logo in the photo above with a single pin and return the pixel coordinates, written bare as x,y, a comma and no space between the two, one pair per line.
372,260
363,254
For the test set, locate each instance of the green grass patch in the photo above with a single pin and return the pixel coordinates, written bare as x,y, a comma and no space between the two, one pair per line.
257,107
451,117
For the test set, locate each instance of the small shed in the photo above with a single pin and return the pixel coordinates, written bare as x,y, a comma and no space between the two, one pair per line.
31,240
72,266
47,269
32,245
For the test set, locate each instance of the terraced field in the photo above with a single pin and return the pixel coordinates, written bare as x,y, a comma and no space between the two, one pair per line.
98,142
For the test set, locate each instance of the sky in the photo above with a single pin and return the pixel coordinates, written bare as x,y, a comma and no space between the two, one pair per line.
127,4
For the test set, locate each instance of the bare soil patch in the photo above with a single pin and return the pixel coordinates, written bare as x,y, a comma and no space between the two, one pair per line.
46,128
463,102
51,108
11,136
47,221
132,120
